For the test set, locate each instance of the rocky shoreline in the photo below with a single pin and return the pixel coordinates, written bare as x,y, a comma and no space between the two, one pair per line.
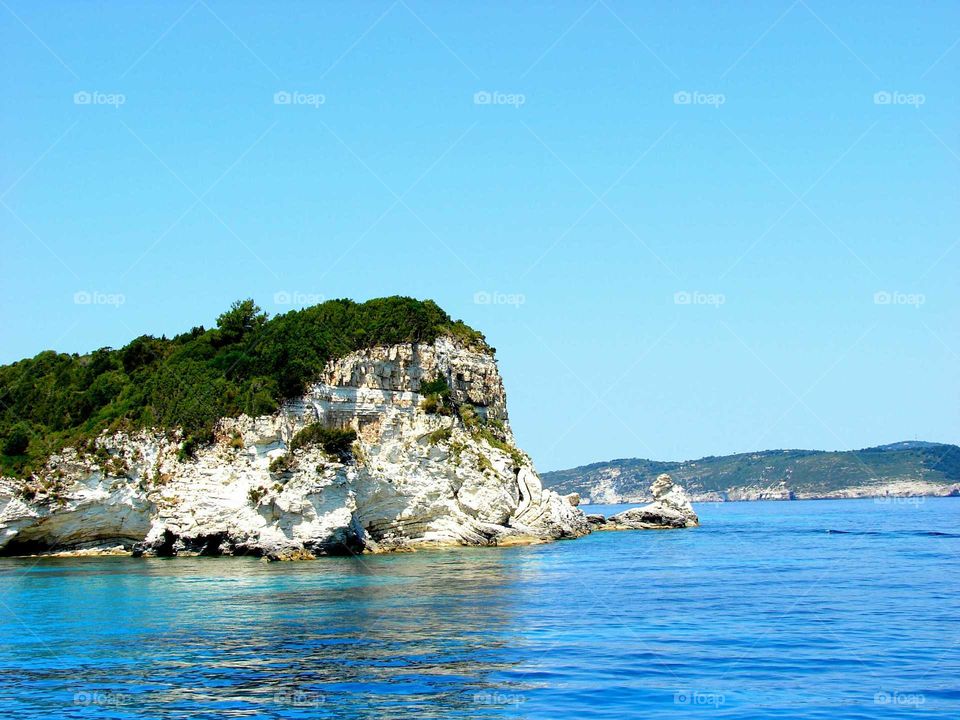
905,489
419,474
671,509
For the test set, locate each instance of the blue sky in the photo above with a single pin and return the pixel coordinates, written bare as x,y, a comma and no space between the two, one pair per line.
689,229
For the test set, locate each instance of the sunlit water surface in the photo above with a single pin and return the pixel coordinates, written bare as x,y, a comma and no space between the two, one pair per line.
821,609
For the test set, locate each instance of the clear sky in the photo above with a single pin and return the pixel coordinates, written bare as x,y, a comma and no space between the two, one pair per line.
688,228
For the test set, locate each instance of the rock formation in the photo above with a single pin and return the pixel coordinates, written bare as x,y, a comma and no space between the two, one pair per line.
411,479
771,492
670,509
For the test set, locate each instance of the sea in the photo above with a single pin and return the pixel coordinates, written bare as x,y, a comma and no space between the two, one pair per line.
807,609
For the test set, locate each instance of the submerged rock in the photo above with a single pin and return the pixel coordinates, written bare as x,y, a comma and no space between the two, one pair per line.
412,478
670,508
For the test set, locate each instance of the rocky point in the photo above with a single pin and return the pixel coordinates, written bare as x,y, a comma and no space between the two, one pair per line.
411,479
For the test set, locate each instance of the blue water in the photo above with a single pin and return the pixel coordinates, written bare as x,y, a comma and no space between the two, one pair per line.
821,609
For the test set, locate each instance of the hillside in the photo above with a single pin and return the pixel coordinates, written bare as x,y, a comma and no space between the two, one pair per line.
248,364
771,473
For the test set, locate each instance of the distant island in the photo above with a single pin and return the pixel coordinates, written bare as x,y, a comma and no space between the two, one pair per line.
903,469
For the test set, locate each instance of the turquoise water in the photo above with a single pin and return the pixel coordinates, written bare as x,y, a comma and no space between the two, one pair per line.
822,609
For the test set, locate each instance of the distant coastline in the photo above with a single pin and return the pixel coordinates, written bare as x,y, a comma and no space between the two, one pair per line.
900,470
702,499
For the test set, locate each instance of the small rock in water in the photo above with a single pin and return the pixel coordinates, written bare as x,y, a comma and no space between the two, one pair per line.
670,508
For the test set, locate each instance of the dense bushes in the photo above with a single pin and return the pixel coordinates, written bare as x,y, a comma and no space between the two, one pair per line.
247,364
436,399
437,386
18,440
333,440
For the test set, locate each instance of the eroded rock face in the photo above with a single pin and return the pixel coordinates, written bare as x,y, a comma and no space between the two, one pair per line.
670,508
413,480
772,492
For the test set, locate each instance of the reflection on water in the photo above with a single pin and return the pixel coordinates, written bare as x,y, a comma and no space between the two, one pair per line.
374,637
762,610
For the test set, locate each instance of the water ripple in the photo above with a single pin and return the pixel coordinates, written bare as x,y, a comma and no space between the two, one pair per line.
776,610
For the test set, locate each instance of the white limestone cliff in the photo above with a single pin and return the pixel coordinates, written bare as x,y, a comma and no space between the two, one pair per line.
413,479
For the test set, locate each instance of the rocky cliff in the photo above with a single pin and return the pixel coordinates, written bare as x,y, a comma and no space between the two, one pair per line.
412,478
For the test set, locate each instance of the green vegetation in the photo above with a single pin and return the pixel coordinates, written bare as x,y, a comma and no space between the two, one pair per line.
483,463
116,467
801,470
437,386
437,400
491,431
333,440
439,436
506,447
194,441
17,440
247,364
282,463
358,453
469,417
434,405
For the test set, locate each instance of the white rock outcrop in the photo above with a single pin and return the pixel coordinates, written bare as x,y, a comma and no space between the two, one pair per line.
413,479
670,508
759,492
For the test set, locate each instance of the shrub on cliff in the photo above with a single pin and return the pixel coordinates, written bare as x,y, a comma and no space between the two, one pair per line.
439,436
437,386
248,364
434,404
333,440
436,394
491,430
282,463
